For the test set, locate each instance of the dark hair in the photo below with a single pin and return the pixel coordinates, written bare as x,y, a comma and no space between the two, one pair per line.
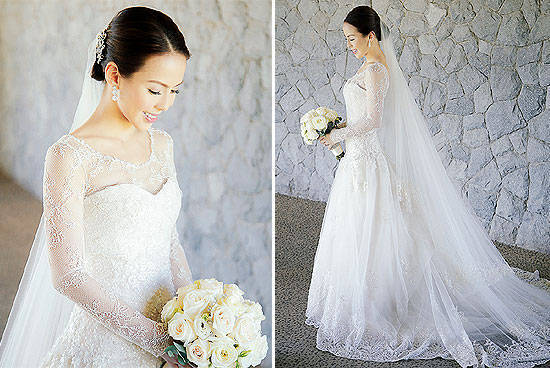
366,20
133,35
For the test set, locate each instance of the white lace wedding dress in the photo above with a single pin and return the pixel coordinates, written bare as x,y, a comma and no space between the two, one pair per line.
112,242
383,290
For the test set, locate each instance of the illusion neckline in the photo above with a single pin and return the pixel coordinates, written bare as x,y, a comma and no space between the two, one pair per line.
114,158
371,63
138,187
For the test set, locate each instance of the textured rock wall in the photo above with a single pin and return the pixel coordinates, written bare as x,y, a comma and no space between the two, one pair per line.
480,72
220,121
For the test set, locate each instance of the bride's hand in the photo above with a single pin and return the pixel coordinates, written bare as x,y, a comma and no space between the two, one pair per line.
172,362
326,140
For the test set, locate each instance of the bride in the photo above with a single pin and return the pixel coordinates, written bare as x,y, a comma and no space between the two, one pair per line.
107,239
403,268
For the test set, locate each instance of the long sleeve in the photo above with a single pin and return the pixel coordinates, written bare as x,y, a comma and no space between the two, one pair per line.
181,274
374,87
63,195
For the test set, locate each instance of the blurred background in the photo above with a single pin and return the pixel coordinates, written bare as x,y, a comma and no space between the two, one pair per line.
220,123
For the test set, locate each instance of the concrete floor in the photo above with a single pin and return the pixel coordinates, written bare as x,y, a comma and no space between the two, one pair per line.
297,226
20,213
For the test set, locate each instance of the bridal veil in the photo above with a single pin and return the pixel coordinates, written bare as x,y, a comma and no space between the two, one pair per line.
39,312
503,319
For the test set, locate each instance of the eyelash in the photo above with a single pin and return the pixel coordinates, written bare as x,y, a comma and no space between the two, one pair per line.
158,93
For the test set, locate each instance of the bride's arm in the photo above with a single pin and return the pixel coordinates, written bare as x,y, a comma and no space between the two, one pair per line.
181,274
63,191
372,106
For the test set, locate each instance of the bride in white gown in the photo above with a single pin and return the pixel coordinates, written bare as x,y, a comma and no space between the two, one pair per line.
403,268
107,239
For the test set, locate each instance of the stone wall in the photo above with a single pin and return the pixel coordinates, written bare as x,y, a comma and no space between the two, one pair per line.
480,72
220,121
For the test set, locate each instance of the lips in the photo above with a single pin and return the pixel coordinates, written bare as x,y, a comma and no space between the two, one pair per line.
150,117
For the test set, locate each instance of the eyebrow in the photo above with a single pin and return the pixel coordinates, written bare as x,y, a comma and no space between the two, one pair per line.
155,81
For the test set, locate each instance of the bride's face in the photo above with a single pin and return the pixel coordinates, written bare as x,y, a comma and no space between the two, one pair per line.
152,89
356,42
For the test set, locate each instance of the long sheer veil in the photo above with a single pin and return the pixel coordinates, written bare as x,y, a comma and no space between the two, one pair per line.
40,313
505,317
409,146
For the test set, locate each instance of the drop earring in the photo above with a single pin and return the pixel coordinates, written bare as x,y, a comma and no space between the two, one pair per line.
116,94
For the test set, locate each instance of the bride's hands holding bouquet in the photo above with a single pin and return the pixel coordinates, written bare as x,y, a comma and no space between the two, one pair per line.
172,362
211,324
325,139
317,124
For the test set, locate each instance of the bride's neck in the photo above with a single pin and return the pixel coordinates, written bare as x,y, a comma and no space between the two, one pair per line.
108,119
374,55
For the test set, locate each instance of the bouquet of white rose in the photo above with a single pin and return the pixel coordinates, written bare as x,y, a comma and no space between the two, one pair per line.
318,122
214,326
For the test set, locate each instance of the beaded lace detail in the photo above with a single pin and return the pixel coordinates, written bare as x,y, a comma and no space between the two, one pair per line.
111,232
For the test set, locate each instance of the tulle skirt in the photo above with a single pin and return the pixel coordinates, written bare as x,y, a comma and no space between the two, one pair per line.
383,289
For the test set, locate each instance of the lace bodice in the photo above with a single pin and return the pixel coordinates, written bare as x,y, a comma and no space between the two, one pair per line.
364,94
94,206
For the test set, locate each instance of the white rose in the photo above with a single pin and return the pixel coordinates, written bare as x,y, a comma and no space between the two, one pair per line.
202,328
304,119
212,286
331,115
254,310
257,352
223,320
312,135
199,352
319,122
232,289
194,302
169,310
180,328
303,130
233,298
224,353
322,111
235,303
246,330
185,289
308,116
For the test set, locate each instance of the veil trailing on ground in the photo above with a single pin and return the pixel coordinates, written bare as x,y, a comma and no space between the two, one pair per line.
40,313
409,147
499,319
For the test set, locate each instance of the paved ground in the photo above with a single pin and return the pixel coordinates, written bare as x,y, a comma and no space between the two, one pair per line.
297,225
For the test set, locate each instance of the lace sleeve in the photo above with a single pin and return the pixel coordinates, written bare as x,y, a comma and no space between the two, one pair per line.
63,191
181,274
375,87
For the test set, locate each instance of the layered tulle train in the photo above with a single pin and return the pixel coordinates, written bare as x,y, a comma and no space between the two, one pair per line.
388,283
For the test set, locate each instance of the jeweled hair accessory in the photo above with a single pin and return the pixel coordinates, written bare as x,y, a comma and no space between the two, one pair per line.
100,45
